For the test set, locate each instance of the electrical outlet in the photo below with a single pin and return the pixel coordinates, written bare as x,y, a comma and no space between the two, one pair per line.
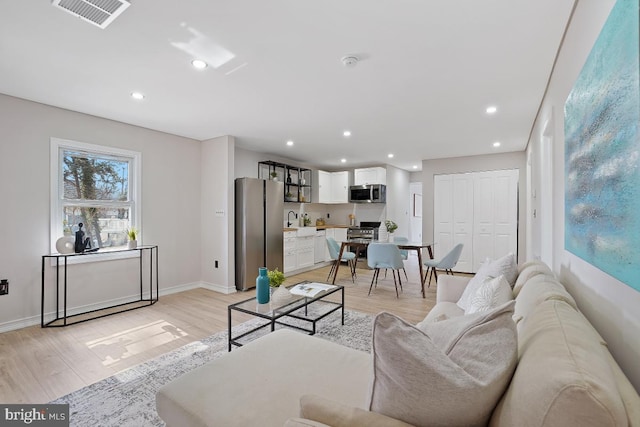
4,287
216,264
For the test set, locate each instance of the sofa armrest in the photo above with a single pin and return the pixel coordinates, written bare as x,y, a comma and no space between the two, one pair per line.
336,414
450,288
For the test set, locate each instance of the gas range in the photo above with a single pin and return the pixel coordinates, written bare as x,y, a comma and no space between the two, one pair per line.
366,230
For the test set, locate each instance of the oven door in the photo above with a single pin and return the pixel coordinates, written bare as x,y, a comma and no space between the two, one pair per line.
360,194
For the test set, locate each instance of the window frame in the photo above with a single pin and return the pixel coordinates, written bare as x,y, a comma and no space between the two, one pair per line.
57,189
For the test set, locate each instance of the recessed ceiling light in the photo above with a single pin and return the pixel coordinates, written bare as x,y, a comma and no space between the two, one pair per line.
390,155
496,144
343,160
492,109
199,64
137,95
347,133
289,143
415,166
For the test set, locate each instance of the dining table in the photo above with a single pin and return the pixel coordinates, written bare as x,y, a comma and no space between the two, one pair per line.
359,244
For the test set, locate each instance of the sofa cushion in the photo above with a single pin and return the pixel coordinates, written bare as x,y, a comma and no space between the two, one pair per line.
491,294
336,414
451,375
529,270
563,376
303,422
537,290
505,266
441,311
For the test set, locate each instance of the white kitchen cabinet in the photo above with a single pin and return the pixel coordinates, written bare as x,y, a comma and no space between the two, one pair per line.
333,187
340,234
366,176
290,259
305,249
340,187
320,242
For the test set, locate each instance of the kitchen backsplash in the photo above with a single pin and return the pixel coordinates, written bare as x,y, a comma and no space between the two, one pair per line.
337,214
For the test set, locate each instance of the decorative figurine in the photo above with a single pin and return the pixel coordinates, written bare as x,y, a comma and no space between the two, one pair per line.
82,244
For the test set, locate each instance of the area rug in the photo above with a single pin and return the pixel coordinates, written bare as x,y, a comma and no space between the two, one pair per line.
128,398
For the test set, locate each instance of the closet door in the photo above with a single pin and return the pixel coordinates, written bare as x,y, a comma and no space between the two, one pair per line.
505,212
442,214
495,222
463,220
479,210
483,231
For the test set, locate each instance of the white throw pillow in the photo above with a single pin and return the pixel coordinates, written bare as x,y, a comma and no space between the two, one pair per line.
491,294
505,266
473,285
453,373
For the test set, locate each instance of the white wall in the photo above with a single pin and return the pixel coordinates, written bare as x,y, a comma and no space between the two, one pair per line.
170,204
218,214
397,199
609,304
473,164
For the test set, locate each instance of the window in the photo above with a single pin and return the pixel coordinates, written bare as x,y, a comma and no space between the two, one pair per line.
96,186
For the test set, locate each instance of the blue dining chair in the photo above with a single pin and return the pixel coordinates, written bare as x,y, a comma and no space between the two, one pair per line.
399,240
349,257
446,263
387,256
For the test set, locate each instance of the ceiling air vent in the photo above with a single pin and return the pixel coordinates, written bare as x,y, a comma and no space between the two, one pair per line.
98,12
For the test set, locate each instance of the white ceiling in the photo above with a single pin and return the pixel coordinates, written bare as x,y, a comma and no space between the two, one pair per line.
429,69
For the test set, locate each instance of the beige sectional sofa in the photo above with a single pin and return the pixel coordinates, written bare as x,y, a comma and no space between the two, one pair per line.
565,376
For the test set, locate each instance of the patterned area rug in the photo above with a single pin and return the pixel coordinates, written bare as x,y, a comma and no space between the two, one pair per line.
128,398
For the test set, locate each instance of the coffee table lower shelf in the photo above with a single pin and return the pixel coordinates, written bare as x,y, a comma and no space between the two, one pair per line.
297,309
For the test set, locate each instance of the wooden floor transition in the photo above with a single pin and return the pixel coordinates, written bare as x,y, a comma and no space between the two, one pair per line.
38,365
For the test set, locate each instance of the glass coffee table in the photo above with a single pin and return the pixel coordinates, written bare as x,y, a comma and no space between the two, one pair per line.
301,312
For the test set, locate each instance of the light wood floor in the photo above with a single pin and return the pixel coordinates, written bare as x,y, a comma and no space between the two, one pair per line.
38,365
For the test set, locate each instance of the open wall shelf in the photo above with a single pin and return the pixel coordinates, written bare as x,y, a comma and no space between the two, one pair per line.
297,181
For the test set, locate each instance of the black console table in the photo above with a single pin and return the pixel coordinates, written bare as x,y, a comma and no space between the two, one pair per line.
64,320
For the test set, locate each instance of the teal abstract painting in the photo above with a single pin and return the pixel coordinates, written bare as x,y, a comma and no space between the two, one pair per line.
602,151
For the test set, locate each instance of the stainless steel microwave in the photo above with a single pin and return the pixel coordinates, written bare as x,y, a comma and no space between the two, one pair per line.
371,193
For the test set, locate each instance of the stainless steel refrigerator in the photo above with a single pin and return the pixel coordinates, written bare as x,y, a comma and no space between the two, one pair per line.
259,208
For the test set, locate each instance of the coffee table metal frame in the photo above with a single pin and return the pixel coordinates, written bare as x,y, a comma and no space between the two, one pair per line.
275,314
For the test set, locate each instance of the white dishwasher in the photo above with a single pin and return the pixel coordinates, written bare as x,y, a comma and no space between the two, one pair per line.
320,244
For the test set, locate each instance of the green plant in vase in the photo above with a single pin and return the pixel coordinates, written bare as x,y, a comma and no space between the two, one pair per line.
391,226
132,234
274,175
276,277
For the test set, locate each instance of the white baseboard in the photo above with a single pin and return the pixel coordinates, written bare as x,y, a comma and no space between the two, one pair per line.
218,288
35,320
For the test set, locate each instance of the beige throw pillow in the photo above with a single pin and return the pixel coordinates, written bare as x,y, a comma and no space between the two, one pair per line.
451,374
491,294
505,266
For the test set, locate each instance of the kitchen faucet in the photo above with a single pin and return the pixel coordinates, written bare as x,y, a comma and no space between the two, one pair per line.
295,215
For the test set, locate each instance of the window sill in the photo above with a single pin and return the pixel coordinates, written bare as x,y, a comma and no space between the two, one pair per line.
100,255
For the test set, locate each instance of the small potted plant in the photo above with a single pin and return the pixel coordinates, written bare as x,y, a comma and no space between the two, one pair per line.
279,294
132,234
276,277
274,176
391,227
